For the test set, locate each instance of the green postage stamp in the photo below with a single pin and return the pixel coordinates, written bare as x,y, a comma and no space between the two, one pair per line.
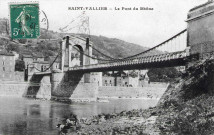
24,20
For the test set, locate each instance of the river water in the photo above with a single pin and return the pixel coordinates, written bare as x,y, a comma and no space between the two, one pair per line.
21,116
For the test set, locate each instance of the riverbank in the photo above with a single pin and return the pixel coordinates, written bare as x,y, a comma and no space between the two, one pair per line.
43,91
126,122
185,108
153,90
24,116
25,89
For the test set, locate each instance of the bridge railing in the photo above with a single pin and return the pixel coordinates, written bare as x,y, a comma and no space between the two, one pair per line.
134,61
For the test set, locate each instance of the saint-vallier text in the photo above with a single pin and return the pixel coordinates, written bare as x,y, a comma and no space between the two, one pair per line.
87,8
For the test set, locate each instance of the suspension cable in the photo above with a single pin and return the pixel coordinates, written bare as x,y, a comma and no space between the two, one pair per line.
91,56
50,64
156,45
138,53
103,53
146,51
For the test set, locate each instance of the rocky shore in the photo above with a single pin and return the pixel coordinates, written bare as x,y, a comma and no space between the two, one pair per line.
186,108
127,122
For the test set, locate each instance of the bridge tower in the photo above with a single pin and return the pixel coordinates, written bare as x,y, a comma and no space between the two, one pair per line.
200,30
80,45
66,85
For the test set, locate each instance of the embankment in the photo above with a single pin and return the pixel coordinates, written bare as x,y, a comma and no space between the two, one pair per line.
25,89
153,90
17,89
43,90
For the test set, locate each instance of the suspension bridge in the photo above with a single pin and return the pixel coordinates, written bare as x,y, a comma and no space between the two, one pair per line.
184,48
172,53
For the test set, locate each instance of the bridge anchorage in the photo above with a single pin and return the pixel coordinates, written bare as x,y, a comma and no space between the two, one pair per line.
190,45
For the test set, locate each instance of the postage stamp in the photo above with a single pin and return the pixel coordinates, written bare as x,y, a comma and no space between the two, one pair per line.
24,20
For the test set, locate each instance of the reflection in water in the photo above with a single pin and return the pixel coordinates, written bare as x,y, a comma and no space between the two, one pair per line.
20,116
34,110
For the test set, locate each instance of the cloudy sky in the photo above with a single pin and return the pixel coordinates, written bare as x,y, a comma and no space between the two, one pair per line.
143,27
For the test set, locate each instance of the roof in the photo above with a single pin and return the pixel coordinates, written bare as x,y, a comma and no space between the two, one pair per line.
41,62
38,55
6,53
27,56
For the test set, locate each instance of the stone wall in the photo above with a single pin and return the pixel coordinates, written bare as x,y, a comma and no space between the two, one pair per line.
66,86
16,89
88,91
27,89
150,91
39,90
82,91
19,76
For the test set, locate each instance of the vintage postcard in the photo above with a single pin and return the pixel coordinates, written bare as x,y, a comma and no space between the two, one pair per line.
106,67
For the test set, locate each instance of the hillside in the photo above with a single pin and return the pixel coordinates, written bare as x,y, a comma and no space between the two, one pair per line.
110,46
113,47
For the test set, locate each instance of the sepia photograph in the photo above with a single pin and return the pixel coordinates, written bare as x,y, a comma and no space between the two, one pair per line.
107,67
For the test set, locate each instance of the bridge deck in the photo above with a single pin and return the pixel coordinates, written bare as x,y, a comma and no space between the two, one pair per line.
43,73
155,61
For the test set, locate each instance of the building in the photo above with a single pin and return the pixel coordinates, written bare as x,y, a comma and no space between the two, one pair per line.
129,78
7,66
121,79
128,81
181,68
96,77
16,55
54,62
27,58
38,57
144,78
4,26
41,66
108,81
34,62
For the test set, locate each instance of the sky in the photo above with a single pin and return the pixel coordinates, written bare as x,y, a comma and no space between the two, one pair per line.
144,27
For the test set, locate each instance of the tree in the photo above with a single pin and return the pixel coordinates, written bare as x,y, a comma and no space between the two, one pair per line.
163,74
12,47
20,65
22,41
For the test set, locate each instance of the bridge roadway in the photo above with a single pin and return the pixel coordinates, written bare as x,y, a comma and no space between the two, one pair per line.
154,61
42,73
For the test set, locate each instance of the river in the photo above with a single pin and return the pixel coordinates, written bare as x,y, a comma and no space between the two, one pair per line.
22,116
